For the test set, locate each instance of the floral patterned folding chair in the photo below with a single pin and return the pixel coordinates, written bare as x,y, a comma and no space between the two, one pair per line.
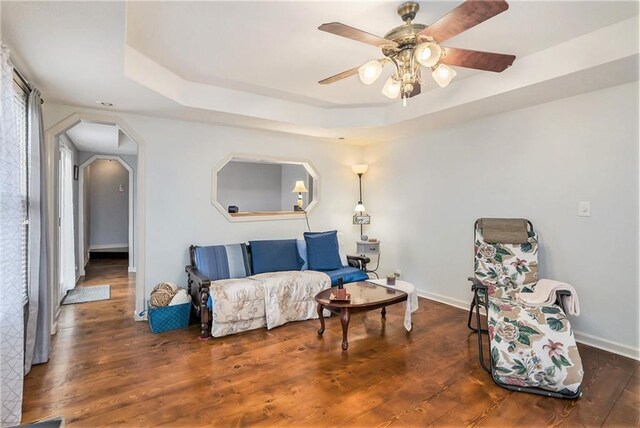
531,347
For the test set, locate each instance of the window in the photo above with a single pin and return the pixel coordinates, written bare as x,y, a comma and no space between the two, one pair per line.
21,119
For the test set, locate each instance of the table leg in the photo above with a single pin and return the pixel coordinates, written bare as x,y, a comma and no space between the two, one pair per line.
344,320
384,312
321,316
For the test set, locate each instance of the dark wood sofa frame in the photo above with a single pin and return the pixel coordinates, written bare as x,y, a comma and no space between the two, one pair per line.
198,287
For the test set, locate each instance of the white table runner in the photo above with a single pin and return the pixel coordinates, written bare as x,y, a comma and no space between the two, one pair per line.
411,305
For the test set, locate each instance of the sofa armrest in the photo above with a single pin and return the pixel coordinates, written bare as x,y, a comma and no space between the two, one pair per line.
198,287
359,262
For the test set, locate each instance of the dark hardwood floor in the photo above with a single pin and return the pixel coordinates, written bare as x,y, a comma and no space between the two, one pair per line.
106,369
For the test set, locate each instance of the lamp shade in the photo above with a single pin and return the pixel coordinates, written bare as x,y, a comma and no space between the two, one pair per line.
428,54
391,88
370,72
300,187
359,207
360,168
443,74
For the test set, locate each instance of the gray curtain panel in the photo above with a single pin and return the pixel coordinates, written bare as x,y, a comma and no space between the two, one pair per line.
12,206
38,334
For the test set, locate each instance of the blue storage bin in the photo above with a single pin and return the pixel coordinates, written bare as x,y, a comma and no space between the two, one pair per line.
169,317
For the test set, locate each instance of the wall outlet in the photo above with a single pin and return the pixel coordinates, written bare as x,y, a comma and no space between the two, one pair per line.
397,273
584,209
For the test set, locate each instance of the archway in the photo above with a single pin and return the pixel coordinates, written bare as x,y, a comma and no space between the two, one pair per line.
51,135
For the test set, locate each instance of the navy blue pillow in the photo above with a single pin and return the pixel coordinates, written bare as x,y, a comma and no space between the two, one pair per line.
275,255
322,250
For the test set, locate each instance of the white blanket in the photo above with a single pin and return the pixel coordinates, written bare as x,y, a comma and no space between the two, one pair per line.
411,305
290,296
545,293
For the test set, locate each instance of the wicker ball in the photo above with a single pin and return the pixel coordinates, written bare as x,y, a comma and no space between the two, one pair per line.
161,295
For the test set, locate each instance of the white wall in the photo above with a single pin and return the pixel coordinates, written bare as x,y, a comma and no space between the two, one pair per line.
250,186
425,193
108,206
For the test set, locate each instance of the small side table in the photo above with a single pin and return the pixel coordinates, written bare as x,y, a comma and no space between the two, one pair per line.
366,248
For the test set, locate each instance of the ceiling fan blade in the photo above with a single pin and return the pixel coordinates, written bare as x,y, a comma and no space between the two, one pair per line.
487,61
339,76
467,15
355,34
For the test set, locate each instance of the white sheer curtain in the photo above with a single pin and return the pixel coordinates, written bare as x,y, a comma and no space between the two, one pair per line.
67,247
38,334
12,208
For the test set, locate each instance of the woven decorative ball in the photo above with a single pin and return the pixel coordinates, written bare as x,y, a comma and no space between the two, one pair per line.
161,295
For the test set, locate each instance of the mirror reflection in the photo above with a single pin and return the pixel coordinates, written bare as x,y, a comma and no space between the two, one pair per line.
246,186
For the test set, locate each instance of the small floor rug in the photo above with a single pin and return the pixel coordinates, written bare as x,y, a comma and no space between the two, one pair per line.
57,422
87,294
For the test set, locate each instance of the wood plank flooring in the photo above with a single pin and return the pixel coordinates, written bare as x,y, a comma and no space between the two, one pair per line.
107,369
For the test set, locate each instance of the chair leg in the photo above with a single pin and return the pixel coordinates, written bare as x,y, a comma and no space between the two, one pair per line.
480,331
475,303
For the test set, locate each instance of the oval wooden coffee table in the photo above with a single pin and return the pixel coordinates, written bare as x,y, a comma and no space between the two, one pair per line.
365,296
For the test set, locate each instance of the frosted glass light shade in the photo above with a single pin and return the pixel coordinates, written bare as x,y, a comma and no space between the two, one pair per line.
391,88
427,54
360,168
370,72
443,75
359,208
300,188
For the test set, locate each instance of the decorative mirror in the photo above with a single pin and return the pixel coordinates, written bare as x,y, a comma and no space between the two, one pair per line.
255,188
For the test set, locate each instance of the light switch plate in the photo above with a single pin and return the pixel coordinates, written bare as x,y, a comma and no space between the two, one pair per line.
584,209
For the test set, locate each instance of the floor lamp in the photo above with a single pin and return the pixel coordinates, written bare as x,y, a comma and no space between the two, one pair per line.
360,217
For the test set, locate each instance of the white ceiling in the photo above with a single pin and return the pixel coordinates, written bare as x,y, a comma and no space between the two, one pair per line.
275,48
257,63
101,138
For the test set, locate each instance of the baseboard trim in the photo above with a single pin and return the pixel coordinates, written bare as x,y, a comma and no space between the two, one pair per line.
607,345
584,338
138,317
461,304
107,246
131,270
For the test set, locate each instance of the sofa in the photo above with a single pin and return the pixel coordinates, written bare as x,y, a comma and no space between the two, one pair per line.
241,287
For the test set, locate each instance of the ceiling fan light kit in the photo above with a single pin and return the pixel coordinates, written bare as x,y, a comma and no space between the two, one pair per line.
443,74
370,72
428,53
391,88
412,46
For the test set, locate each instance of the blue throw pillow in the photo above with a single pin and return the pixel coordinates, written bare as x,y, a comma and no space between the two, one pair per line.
275,255
302,252
322,250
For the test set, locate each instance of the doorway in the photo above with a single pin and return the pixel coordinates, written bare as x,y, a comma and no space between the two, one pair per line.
103,191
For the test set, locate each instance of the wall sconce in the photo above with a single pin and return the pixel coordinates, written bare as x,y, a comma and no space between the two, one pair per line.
299,188
360,217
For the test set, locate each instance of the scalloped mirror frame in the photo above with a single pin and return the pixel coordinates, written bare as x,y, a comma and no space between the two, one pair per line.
264,216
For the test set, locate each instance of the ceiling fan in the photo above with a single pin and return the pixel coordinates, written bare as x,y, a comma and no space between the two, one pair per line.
412,45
